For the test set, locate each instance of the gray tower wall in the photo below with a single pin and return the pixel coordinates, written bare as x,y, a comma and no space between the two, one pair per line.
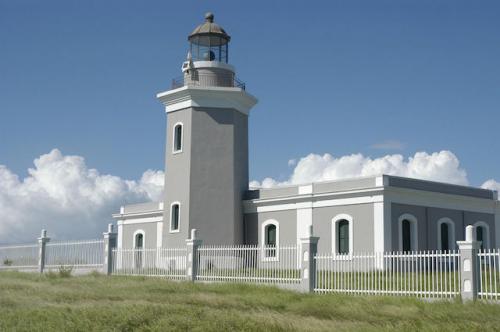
177,178
209,176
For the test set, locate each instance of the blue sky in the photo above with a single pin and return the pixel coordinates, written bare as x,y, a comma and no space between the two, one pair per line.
336,77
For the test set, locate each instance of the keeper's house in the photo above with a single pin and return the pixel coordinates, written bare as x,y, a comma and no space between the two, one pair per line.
207,182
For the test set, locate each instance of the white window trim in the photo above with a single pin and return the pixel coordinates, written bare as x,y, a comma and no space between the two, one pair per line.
263,240
486,244
335,221
451,236
413,229
174,151
179,224
139,231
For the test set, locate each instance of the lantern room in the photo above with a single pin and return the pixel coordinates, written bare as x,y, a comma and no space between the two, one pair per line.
209,42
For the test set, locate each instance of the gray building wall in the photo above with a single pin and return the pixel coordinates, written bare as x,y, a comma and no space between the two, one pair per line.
287,226
427,220
149,229
362,215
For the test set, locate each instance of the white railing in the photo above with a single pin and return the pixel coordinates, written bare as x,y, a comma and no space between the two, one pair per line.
160,262
427,274
75,254
489,274
19,257
249,264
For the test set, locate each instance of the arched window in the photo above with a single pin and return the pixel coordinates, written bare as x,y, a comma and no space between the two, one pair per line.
139,241
177,147
175,217
270,238
342,234
343,237
408,233
483,234
446,234
270,241
138,249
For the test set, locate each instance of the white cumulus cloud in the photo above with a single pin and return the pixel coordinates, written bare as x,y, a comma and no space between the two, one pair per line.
441,166
491,185
64,196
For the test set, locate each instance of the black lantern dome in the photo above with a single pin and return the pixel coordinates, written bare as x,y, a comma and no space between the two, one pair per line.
209,42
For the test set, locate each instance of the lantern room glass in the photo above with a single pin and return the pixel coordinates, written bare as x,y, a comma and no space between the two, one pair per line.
209,48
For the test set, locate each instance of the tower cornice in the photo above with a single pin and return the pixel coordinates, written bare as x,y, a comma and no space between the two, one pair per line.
210,97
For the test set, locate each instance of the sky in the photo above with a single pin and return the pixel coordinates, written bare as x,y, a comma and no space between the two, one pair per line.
345,88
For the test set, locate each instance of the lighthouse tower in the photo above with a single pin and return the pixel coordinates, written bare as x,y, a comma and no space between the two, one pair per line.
207,143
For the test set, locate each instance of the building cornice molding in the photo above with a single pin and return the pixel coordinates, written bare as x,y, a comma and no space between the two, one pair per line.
373,195
136,215
207,97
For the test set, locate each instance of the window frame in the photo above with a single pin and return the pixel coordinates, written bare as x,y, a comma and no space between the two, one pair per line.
178,229
486,235
264,226
174,138
335,221
413,231
451,233
136,251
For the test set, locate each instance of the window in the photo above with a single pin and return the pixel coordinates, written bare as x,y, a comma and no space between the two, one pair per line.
480,235
343,237
445,234
406,235
445,238
174,217
139,241
408,232
483,234
177,138
138,246
270,240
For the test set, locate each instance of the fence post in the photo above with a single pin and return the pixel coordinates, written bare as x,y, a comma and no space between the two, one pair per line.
42,242
192,256
469,264
308,250
109,244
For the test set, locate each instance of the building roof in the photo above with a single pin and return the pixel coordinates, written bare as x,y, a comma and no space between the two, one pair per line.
361,183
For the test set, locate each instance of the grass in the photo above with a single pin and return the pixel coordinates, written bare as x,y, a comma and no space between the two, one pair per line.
29,302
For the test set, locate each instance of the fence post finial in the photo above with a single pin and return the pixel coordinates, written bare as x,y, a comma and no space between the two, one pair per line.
110,239
469,263
192,245
42,243
310,231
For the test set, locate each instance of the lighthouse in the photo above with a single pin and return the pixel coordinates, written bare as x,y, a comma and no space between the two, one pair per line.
206,153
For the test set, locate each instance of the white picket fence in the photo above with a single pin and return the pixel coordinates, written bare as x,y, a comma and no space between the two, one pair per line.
84,254
423,274
19,257
158,262
489,274
249,264
426,274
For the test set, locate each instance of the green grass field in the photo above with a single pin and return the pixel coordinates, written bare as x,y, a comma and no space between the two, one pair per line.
29,302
